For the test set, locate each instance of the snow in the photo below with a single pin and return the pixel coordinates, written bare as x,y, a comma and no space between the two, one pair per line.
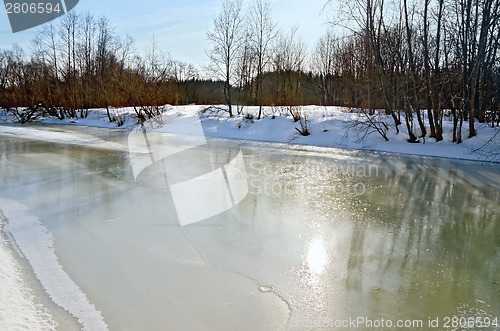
329,127
52,134
36,244
18,307
42,134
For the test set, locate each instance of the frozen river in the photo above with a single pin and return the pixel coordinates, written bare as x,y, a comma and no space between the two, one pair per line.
324,237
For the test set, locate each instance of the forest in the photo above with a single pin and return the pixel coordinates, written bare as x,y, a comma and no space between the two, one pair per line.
415,62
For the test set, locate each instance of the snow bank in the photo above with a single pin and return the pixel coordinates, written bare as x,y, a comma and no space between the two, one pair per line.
333,127
329,127
48,135
36,244
42,134
18,308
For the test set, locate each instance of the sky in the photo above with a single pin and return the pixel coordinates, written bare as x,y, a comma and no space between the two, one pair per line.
179,26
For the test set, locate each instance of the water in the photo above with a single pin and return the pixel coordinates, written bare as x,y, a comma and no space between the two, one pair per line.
323,237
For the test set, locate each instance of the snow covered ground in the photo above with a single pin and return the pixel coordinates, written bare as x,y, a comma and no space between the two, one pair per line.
18,306
36,245
328,127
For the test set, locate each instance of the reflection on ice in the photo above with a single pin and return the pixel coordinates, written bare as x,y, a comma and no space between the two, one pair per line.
316,256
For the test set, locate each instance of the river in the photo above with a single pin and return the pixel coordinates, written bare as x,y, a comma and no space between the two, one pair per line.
324,237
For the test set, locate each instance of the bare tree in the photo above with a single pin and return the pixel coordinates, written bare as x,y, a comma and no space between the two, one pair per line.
246,69
182,73
324,64
263,32
226,38
433,91
86,59
475,40
104,56
288,63
69,30
46,49
4,76
155,70
367,23
413,95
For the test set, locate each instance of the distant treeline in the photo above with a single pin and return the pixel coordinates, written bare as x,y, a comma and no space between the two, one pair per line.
413,61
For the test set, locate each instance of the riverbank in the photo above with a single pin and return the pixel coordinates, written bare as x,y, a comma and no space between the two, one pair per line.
19,307
24,303
327,127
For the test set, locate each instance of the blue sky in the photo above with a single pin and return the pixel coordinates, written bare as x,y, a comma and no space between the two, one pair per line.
180,26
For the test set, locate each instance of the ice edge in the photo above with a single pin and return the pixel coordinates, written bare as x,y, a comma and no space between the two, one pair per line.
36,244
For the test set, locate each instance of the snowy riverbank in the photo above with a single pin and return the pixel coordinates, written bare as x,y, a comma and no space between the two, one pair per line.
19,308
328,127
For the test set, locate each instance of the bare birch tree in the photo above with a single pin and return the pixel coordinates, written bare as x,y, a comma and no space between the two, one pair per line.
226,38
263,32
